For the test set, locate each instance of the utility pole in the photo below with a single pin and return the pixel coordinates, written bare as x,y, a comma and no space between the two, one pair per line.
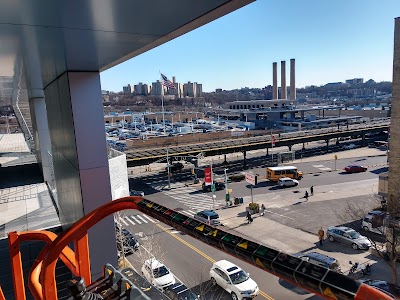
227,198
213,187
169,174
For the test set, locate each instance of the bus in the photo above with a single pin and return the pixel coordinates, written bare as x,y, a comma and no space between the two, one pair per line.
274,173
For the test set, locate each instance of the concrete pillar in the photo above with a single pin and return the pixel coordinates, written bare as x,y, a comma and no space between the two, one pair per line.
274,81
292,79
283,80
42,138
80,158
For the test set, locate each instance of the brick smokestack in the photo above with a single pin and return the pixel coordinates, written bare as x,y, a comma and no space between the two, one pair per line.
292,79
274,81
283,80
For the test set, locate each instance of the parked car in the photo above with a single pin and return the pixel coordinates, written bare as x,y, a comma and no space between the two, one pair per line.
218,186
287,182
237,177
233,280
130,243
349,146
321,260
136,193
157,273
348,236
355,169
374,222
179,291
175,167
207,216
384,286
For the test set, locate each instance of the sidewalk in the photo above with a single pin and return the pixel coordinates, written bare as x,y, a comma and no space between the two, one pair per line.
293,240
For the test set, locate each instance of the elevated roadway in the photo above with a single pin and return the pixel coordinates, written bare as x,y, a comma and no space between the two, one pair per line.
146,156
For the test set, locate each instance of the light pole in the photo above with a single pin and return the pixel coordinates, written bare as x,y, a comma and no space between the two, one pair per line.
226,188
169,179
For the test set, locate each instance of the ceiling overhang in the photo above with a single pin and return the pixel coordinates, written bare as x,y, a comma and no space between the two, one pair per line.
39,40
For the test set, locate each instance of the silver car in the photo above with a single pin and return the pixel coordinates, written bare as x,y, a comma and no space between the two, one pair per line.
348,236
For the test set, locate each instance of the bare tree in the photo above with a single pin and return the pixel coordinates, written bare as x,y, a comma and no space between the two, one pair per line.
203,286
387,225
356,210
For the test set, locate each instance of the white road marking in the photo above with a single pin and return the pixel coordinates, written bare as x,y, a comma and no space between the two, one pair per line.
141,218
136,220
150,219
129,221
278,214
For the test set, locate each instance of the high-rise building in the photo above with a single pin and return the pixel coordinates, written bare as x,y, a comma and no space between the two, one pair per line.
190,89
355,81
141,89
127,89
199,90
157,88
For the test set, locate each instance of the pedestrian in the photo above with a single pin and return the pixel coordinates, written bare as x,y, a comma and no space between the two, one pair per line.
262,209
306,195
321,235
312,190
249,218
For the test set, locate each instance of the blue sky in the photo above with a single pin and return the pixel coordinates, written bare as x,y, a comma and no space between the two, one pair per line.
330,40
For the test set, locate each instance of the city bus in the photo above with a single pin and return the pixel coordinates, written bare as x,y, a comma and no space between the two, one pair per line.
274,173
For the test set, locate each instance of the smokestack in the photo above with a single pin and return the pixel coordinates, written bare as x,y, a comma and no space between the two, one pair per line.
292,79
283,80
274,81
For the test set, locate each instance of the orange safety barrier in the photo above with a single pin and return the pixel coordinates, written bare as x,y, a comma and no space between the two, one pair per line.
14,240
76,232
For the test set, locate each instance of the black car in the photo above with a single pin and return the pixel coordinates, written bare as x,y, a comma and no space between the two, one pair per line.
179,291
175,167
131,244
218,186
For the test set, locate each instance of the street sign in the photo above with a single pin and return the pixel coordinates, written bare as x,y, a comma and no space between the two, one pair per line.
213,188
208,175
251,178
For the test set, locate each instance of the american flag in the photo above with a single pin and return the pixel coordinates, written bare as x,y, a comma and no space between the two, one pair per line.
166,82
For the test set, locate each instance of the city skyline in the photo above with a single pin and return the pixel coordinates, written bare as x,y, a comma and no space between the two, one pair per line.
330,42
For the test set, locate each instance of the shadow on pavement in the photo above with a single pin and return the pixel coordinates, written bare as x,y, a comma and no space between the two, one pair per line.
292,287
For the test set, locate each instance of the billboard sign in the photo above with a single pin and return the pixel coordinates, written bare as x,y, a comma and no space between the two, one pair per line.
208,176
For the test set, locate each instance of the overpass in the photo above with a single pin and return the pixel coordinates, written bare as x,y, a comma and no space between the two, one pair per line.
140,157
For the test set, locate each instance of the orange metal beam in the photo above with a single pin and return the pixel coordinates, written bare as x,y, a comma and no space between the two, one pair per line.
14,240
81,247
76,232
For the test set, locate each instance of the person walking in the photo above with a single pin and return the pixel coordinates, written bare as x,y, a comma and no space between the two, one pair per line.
312,190
262,209
321,235
306,195
249,218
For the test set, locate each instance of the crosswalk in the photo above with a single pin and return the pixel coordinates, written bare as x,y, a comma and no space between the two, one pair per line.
190,196
322,167
142,219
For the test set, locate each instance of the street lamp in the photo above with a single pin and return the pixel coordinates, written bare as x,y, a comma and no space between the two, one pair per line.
226,188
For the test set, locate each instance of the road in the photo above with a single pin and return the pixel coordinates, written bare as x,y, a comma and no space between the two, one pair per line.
190,260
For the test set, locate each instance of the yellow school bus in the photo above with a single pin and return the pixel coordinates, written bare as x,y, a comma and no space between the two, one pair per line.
274,173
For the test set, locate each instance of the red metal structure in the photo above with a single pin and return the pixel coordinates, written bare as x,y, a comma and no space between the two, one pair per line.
42,282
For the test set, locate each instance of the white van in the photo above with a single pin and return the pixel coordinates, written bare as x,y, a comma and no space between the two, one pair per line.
366,223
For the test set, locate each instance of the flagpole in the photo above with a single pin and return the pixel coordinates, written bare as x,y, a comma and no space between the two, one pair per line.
162,106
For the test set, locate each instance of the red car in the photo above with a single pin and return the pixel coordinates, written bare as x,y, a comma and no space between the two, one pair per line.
355,169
